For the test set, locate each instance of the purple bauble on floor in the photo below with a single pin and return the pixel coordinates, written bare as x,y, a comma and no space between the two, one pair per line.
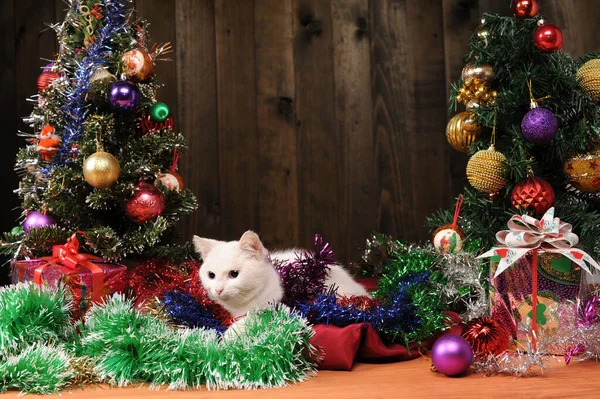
452,355
539,126
35,220
123,96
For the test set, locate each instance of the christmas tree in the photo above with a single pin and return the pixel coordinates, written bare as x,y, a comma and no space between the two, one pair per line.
101,156
531,128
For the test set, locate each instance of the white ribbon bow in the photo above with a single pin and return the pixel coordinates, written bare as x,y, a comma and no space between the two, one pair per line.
546,235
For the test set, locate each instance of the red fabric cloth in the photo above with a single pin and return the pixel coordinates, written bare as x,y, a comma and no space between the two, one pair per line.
341,347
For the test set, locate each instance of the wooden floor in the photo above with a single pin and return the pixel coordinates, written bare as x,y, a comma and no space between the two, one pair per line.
410,379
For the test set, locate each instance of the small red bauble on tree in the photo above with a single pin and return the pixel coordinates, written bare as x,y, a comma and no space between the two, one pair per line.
548,37
149,125
486,336
146,204
533,194
46,79
525,8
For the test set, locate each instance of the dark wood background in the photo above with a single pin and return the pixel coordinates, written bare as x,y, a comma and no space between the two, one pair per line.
302,116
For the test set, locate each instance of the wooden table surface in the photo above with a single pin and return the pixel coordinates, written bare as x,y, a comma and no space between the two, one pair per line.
411,379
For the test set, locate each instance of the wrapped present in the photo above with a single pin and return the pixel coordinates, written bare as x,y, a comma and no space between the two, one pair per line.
89,278
545,272
558,283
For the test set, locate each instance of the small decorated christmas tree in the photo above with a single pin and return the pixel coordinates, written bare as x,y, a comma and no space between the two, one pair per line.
531,127
101,156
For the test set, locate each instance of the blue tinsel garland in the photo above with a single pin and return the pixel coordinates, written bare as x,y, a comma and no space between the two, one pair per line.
74,110
187,311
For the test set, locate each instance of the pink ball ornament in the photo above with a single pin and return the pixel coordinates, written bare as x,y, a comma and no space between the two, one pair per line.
452,355
36,219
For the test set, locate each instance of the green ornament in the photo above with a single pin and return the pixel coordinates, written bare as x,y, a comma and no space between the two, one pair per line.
17,230
159,112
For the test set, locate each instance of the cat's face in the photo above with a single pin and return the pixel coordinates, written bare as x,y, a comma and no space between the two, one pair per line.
232,272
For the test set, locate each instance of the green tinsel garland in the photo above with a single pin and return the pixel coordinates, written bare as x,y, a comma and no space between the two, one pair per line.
406,263
132,347
39,368
30,314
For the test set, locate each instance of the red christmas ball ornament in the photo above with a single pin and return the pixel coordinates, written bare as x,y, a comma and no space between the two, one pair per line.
525,8
486,336
146,204
46,79
170,180
49,143
533,194
149,125
548,38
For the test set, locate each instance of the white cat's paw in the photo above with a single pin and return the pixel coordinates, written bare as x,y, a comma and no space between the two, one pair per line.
236,330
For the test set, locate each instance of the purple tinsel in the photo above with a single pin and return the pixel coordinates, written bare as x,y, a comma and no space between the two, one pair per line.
392,319
74,110
185,310
304,278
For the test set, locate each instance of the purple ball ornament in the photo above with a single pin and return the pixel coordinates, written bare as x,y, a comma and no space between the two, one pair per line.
123,96
539,126
452,355
36,219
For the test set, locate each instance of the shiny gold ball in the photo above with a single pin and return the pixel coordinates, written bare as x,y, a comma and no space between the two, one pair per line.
486,170
584,171
101,170
482,73
462,131
483,33
589,78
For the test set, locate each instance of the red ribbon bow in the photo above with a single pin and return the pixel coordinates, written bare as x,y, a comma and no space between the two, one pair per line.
68,256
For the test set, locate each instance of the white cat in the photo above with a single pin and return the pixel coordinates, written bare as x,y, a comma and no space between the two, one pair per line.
239,276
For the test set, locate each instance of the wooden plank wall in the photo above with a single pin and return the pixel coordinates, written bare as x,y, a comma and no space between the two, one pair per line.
301,116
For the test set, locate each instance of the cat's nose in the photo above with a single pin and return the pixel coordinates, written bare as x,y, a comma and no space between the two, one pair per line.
219,290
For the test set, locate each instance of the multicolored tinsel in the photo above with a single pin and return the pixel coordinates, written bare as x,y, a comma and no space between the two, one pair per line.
74,111
580,331
304,278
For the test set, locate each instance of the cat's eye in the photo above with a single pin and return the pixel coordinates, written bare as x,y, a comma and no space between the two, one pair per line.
211,275
234,273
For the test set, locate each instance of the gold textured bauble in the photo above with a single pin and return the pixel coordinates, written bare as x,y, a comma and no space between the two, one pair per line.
486,170
589,78
584,171
478,73
101,170
462,131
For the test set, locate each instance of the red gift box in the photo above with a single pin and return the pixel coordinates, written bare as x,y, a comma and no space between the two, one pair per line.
89,278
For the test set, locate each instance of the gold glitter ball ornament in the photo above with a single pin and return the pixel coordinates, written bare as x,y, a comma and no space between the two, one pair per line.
589,78
486,170
478,73
101,170
462,131
584,171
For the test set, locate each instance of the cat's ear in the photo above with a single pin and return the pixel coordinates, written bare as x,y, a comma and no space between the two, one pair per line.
251,244
204,245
